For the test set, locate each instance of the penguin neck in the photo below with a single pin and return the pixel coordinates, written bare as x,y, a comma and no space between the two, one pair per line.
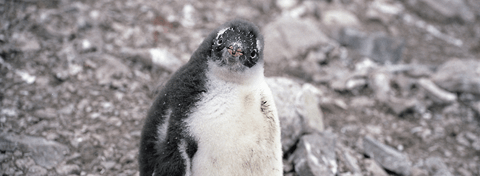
248,76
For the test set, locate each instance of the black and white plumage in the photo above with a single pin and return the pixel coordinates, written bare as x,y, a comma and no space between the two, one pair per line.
216,115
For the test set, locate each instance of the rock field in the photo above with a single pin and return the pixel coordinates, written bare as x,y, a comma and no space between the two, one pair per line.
363,87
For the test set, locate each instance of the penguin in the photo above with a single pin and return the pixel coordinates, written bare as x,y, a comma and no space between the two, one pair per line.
216,114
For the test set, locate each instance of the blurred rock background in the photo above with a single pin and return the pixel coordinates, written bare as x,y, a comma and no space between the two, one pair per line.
363,87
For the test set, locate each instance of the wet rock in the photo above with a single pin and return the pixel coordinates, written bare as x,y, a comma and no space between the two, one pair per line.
379,47
386,156
315,155
435,93
443,10
436,167
287,38
459,76
45,153
372,167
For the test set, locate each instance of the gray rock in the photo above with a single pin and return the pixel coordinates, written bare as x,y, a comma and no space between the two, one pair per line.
45,153
383,11
24,163
386,49
7,145
68,169
350,161
28,78
372,167
476,145
297,109
315,155
380,83
436,167
475,106
362,102
285,93
340,18
307,106
108,164
36,171
420,71
459,76
379,47
287,38
112,67
285,4
154,56
443,10
334,105
26,42
287,166
435,93
475,6
165,59
3,157
419,172
405,84
461,139
386,156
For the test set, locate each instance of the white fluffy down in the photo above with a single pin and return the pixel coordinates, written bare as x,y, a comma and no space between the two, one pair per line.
234,137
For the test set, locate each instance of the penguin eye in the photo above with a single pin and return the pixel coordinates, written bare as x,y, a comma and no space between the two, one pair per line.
254,53
219,40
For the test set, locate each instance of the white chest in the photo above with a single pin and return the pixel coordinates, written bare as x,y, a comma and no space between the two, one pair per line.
233,135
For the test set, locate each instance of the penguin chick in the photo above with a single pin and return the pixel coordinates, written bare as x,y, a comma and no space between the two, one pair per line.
216,115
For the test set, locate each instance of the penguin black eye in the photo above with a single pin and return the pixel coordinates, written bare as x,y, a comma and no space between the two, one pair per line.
254,53
219,42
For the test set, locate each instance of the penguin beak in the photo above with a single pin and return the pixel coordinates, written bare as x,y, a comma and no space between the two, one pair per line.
235,50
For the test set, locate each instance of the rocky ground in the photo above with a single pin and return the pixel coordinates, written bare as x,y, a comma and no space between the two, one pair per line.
363,87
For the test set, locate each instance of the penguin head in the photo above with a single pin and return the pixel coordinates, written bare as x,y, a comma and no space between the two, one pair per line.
238,46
